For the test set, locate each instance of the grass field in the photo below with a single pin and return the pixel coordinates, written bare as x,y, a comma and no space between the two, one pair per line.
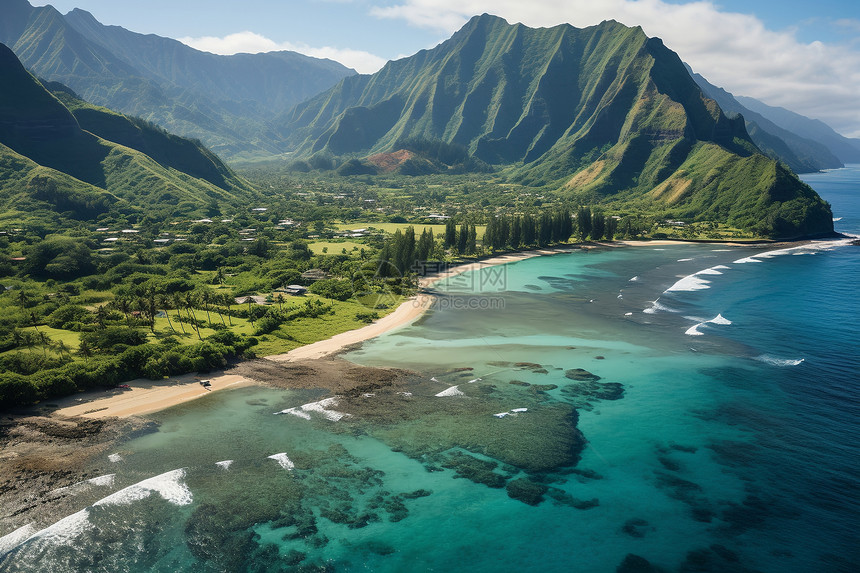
335,247
392,227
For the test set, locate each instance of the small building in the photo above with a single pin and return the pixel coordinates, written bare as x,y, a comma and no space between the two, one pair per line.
295,290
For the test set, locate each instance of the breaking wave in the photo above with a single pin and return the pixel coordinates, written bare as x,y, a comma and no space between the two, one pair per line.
774,361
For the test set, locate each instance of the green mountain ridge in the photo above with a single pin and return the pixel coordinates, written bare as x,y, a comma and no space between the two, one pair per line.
803,155
226,101
60,167
846,149
603,113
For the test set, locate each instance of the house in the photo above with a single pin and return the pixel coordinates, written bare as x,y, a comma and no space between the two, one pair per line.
295,290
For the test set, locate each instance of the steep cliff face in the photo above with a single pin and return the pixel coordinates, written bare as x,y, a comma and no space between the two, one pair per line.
226,101
602,112
51,161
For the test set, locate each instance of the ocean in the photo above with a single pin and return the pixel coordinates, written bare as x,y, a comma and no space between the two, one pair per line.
655,408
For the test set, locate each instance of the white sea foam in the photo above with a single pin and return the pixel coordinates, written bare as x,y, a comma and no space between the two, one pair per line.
688,284
837,219
774,361
721,250
433,379
634,279
684,260
296,412
452,391
75,488
368,395
323,408
474,380
694,330
65,530
168,485
405,394
620,296
720,319
12,540
283,461
225,465
747,260
628,314
115,458
105,480
657,305
513,412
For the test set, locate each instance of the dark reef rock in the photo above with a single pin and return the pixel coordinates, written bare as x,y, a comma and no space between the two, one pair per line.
636,564
473,469
713,559
526,491
685,449
669,463
543,387
519,383
635,527
563,498
379,548
583,394
581,374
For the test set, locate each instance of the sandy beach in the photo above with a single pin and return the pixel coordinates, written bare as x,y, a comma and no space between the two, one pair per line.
146,396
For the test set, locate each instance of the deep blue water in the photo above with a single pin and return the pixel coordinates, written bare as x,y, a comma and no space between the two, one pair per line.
734,446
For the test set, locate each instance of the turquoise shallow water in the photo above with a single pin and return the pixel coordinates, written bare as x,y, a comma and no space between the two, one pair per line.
730,444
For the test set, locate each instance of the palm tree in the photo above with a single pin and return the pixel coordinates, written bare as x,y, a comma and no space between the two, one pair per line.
189,307
123,304
227,301
63,348
166,301
101,315
23,298
46,342
151,307
85,350
205,297
177,304
280,300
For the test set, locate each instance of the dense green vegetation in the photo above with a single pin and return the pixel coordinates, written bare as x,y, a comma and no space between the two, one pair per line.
127,251
226,101
604,115
64,164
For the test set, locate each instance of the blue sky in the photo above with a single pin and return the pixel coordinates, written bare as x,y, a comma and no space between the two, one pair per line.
802,55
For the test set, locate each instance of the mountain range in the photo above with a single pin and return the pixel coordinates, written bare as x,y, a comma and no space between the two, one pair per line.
64,160
604,113
803,144
225,101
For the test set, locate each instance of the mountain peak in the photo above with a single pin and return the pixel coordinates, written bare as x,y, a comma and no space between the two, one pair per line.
82,16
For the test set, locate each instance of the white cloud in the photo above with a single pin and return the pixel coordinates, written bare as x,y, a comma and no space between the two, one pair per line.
253,43
734,51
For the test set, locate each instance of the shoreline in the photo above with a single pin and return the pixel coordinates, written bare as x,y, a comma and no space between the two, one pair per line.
147,396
